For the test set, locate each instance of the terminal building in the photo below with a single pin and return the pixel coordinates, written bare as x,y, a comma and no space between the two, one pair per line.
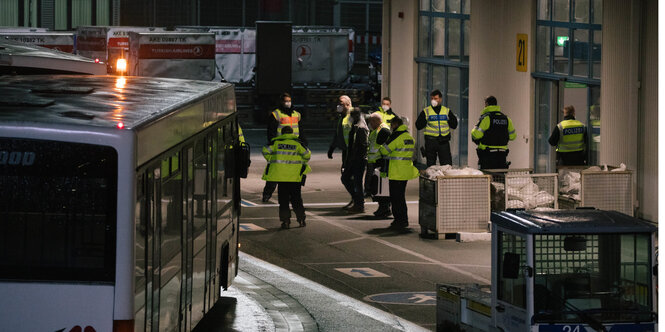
535,57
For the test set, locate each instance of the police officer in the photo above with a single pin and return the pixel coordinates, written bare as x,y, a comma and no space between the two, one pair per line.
380,132
287,163
437,120
492,133
569,137
385,111
280,117
398,150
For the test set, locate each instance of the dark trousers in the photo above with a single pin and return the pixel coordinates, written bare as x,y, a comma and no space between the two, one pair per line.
488,159
352,178
398,200
269,188
289,192
577,158
384,202
369,171
437,146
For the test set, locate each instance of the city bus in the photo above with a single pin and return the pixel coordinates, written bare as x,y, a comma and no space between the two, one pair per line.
117,208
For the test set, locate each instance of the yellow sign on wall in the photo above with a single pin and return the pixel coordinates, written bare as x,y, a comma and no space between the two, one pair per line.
521,51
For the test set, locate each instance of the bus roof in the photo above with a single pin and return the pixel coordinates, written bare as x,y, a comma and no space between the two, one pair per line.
161,112
102,101
581,221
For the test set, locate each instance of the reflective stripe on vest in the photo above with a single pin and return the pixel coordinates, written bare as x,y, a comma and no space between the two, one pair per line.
373,153
437,124
571,136
285,120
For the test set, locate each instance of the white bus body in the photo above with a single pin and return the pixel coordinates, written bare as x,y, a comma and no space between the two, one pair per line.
105,224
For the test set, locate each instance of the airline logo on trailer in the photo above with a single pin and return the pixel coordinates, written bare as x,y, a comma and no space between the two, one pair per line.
119,42
176,51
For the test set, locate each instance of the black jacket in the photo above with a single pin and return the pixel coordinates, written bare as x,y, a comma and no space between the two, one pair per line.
357,150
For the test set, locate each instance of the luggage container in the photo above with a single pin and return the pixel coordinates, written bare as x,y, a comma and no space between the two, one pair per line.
605,190
188,55
452,204
59,41
107,43
18,58
320,57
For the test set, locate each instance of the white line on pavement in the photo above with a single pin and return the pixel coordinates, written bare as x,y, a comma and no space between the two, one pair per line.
402,249
396,262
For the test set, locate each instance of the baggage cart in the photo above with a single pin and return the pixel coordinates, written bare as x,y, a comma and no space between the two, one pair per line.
603,190
452,204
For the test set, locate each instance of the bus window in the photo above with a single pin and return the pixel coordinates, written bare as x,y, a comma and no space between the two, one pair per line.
58,211
512,288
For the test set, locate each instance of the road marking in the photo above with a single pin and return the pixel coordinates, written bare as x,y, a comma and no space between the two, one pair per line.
247,203
398,262
309,204
348,240
402,249
248,227
362,272
410,298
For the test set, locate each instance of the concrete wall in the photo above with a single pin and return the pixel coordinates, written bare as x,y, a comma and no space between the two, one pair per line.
492,70
629,99
647,170
401,49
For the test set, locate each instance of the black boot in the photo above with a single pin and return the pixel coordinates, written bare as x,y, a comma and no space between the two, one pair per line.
286,224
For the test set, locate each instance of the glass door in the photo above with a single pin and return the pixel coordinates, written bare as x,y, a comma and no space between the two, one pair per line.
551,97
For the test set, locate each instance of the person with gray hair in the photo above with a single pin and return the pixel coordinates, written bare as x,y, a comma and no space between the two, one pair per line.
342,129
379,133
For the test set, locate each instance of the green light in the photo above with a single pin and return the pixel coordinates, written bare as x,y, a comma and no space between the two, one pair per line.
561,39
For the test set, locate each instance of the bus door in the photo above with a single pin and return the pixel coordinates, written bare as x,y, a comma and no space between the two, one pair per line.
511,305
200,211
188,243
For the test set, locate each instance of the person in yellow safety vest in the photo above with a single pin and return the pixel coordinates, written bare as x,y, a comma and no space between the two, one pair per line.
492,133
570,137
342,129
437,122
282,116
241,137
379,134
287,164
385,110
398,150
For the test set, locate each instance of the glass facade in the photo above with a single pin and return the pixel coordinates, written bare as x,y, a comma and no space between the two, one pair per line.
567,72
443,64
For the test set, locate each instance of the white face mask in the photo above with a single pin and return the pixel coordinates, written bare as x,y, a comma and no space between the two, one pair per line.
287,104
385,107
340,108
434,103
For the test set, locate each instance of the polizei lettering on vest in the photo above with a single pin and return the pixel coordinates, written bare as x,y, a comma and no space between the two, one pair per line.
286,146
503,122
573,131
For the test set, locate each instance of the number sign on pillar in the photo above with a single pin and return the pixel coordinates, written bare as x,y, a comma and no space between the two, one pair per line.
521,51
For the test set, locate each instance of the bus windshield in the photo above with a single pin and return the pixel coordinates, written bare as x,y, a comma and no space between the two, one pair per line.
597,277
57,211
